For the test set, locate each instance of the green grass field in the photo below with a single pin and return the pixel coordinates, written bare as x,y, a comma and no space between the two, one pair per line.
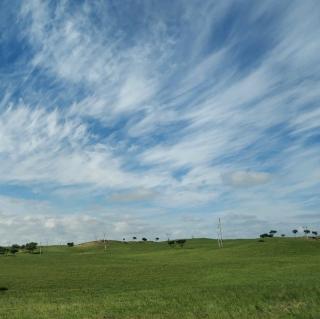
279,278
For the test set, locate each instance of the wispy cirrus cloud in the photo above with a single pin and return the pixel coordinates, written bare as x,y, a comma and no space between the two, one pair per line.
246,178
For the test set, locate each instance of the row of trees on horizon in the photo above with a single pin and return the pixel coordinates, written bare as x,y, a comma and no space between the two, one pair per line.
13,249
306,231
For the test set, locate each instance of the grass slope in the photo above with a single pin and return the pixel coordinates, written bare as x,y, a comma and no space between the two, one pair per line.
279,278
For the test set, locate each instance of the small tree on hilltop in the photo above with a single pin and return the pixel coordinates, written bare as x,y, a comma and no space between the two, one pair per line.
31,247
315,233
307,232
171,243
144,239
70,244
295,231
157,238
181,242
283,235
272,232
14,249
134,237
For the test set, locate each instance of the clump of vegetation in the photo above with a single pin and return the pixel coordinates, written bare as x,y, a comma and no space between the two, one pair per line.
265,235
3,250
9,250
13,249
171,243
31,247
71,244
180,242
270,234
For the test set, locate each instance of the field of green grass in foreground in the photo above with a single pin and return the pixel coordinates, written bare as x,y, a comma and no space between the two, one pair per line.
279,278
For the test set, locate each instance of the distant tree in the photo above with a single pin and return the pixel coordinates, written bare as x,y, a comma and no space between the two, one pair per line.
123,239
31,247
295,231
71,244
5,251
272,232
315,233
2,250
13,249
171,243
307,232
134,237
144,239
283,235
181,242
157,238
265,235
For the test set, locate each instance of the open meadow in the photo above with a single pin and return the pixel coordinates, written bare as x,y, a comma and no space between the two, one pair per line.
277,278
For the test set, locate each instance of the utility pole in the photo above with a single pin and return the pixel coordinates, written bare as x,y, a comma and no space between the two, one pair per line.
220,242
218,239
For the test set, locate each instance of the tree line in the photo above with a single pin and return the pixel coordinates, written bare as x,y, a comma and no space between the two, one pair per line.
13,249
306,231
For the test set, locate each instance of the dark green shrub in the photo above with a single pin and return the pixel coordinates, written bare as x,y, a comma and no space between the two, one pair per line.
171,243
31,247
181,242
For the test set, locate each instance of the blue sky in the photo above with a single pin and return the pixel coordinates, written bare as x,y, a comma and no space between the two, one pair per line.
148,118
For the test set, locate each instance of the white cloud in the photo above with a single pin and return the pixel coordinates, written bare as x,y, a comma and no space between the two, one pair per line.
140,194
40,146
246,178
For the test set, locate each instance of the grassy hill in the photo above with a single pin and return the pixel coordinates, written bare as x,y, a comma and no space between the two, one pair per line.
278,278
